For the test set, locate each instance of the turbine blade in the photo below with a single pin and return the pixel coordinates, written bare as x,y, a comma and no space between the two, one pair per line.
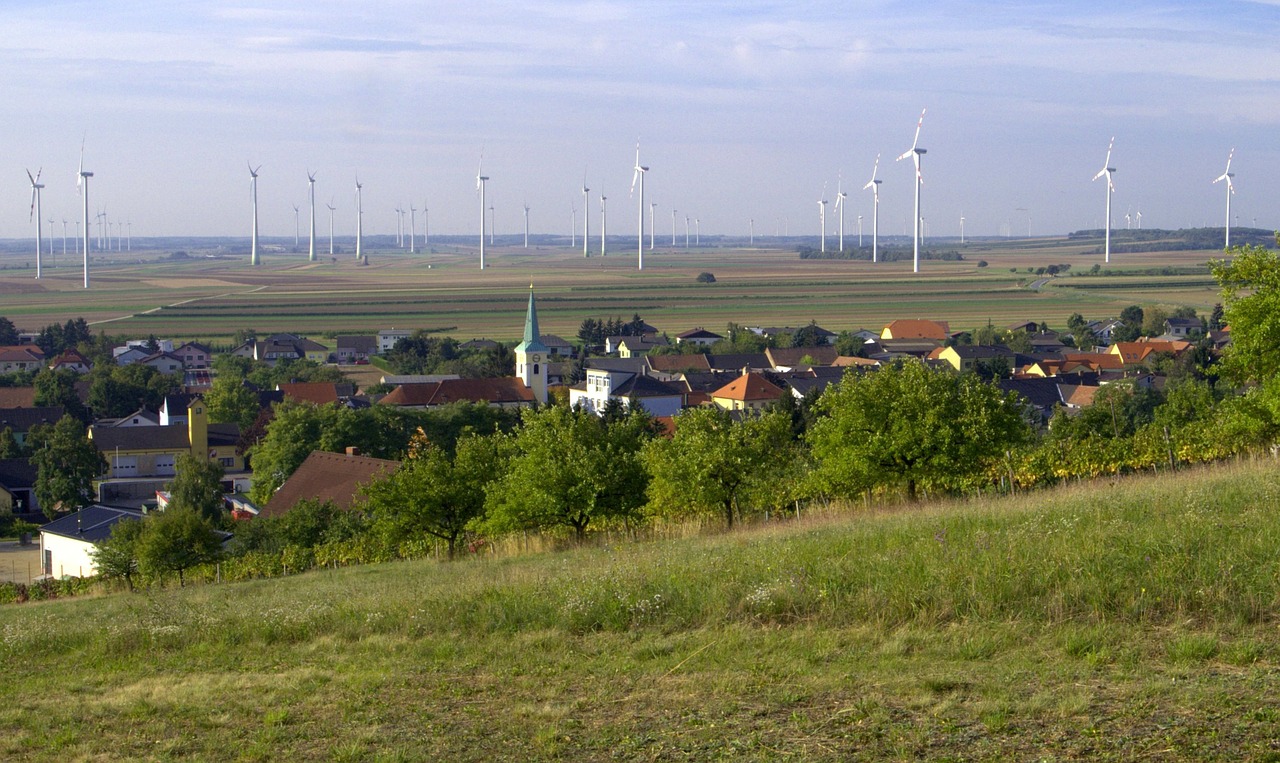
919,124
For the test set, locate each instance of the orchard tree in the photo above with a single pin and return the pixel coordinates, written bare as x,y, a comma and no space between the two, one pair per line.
907,425
435,492
1250,283
713,464
568,468
117,557
229,401
177,540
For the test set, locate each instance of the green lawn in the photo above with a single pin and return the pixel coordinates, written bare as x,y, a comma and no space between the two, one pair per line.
1129,619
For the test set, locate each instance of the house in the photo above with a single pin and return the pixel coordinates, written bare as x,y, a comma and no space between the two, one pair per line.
139,418
25,357
18,486
740,361
1077,396
71,361
319,393
750,391
882,349
1046,343
1041,395
17,397
787,358
323,476
395,380
773,332
354,348
626,388
698,336
480,345
164,362
633,346
141,460
1104,329
1030,327
1182,328
558,346
173,409
1096,361
936,331
676,364
67,543
21,420
965,358
127,356
504,392
1136,353
279,347
387,339
193,355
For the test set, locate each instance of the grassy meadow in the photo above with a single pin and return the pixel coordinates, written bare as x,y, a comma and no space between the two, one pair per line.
211,298
1127,619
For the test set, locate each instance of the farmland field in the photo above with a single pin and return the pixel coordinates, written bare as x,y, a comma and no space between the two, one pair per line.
212,297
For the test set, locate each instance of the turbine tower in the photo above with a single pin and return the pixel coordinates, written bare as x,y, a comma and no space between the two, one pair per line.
1226,175
586,218
253,233
822,215
426,228
64,236
639,175
295,226
399,226
573,224
874,185
915,152
82,183
481,179
840,196
961,230
413,229
359,219
311,193
36,186
493,223
331,210
1107,171
673,227
653,213
526,225
603,219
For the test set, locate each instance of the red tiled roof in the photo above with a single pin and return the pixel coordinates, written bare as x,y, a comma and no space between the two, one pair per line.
326,476
319,393
497,391
914,328
749,387
17,397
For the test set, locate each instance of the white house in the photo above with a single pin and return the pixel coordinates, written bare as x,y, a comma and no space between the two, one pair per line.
603,385
66,543
387,338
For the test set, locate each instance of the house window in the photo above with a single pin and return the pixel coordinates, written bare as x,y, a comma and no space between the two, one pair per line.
227,463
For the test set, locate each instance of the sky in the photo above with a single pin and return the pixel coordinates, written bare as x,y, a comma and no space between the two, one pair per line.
743,109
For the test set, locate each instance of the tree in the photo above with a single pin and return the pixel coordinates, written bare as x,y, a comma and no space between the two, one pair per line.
54,388
177,540
714,465
198,486
117,557
434,492
296,430
1131,325
1153,318
229,401
907,425
1250,284
569,469
705,277
66,464
8,332
9,447
808,336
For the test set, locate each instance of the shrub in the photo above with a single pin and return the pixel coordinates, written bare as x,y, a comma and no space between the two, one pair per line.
982,263
705,277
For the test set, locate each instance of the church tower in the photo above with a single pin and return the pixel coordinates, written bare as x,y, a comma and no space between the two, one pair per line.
531,355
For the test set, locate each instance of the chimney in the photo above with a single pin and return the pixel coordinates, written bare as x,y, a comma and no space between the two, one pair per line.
353,450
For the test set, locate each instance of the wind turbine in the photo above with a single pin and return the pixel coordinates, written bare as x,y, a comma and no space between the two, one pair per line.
1139,216
859,231
653,213
573,224
413,229
840,196
686,231
426,228
526,225
481,179
331,211
697,231
603,199
751,231
493,223
359,219
51,221
253,195
1226,175
915,152
399,226
64,236
586,218
311,193
1107,171
295,226
82,184
961,230
822,215
673,227
129,235
639,175
874,185
36,186
1128,218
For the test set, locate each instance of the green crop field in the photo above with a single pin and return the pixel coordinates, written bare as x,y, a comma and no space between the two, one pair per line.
211,298
1129,619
